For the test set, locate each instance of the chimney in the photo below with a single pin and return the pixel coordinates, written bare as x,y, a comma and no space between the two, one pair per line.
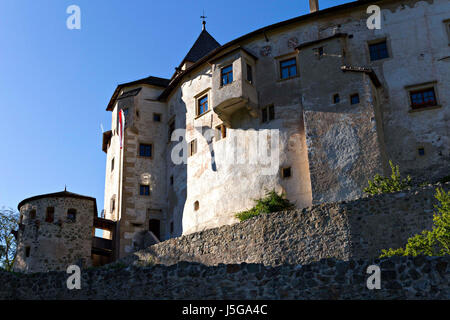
313,5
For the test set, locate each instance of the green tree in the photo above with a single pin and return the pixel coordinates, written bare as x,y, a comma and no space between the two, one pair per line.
389,184
8,245
430,243
272,202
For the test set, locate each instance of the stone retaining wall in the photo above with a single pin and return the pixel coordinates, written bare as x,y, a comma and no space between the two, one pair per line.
345,230
401,278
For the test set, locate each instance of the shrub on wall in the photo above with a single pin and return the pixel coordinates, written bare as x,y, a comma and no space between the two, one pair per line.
389,184
272,202
431,243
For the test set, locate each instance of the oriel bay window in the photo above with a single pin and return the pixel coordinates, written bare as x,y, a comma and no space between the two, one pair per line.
226,75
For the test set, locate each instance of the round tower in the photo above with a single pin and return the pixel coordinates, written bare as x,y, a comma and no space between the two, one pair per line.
55,231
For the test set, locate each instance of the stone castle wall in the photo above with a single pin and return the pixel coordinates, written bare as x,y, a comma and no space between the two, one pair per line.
345,230
401,278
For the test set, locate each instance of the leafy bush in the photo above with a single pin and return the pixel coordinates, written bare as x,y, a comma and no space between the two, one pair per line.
389,184
431,243
272,202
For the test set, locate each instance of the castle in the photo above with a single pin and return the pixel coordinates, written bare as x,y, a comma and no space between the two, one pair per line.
313,107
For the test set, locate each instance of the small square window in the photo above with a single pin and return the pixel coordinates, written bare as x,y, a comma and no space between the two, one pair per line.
268,113
221,132
286,172
288,68
378,51
319,52
193,147
336,98
226,75
145,150
144,190
50,215
421,151
249,73
423,98
202,106
72,215
157,117
354,98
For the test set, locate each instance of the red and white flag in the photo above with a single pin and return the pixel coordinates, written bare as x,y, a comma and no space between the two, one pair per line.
121,127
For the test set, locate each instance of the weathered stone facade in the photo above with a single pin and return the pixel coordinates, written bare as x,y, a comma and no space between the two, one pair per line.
401,278
332,146
55,231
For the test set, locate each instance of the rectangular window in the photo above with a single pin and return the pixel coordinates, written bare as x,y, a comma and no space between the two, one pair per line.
202,106
286,172
72,215
171,128
193,147
336,98
157,117
319,52
227,75
50,214
354,98
268,113
421,151
288,68
112,164
221,132
171,227
144,190
423,98
249,73
171,180
33,214
113,205
447,27
145,150
378,51
27,251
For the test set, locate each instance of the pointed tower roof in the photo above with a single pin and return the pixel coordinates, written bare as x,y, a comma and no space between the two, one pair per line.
204,44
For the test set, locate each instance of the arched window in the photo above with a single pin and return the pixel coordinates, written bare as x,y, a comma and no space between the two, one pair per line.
72,215
196,205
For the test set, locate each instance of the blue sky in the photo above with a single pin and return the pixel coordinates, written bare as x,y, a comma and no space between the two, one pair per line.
55,83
